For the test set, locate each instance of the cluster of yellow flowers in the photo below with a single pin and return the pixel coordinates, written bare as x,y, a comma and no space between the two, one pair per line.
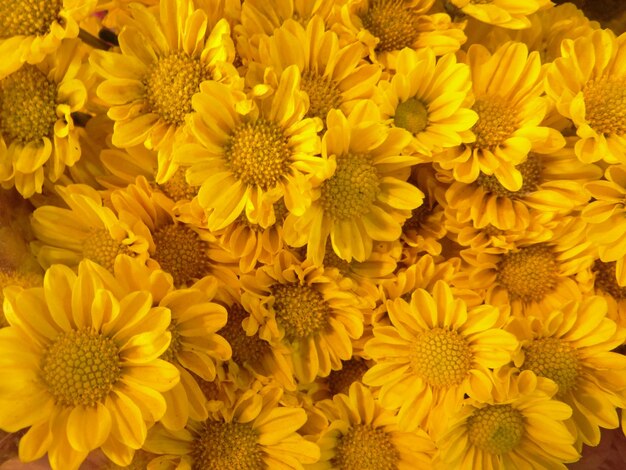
311,234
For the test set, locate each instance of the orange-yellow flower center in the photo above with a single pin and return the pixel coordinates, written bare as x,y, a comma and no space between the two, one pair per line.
496,429
177,189
28,17
339,381
246,349
176,343
80,367
606,279
100,247
555,359
496,122
531,179
323,93
181,252
170,84
419,216
222,445
392,22
411,115
258,153
353,188
27,106
441,357
605,105
528,274
365,447
300,310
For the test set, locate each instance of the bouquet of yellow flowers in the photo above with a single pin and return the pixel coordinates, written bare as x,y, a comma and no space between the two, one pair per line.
312,234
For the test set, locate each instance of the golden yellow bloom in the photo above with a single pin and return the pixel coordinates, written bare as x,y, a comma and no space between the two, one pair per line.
362,434
435,351
520,426
80,366
37,129
588,85
605,284
503,13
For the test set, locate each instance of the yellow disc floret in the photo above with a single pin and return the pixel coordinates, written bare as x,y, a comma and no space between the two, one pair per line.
80,367
257,153
300,310
323,93
367,448
392,22
27,105
496,122
177,189
528,274
411,115
606,280
496,429
441,357
245,348
227,445
101,248
28,17
176,343
555,359
605,105
531,179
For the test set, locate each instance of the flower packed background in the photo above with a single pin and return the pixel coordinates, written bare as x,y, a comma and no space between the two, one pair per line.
312,234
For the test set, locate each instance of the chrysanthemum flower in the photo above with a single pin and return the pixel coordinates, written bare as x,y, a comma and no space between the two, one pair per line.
427,98
164,58
605,284
510,112
80,366
365,196
502,13
248,162
297,305
434,352
37,129
588,86
572,347
521,426
255,433
362,434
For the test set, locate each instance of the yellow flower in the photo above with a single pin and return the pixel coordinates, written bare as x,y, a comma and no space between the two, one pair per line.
588,85
502,13
572,347
32,29
364,197
37,129
434,352
605,284
510,110
364,435
256,432
80,366
521,426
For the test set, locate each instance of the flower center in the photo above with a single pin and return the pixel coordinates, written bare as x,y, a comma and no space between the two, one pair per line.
170,84
365,448
496,429
528,274
258,153
101,248
27,105
605,105
331,260
606,280
176,343
352,189
227,445
180,251
246,349
554,359
411,115
441,357
323,94
392,22
27,17
300,310
419,215
531,179
177,189
80,367
496,122
339,381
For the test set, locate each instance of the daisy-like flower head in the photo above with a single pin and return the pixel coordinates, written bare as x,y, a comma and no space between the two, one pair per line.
588,85
434,351
510,110
502,13
31,29
521,426
605,284
365,196
296,305
86,229
572,347
427,98
78,369
37,129
255,433
251,154
362,434
163,59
